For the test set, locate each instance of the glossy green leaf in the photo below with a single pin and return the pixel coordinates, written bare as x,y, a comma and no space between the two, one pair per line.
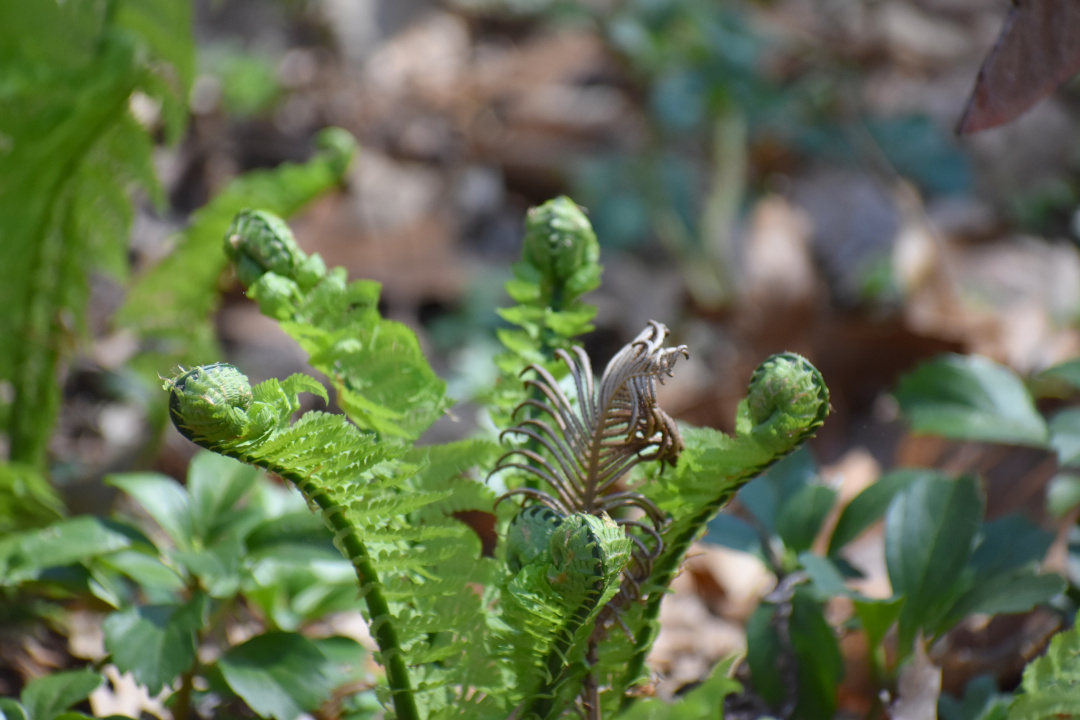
817,651
1010,591
930,530
802,515
767,495
48,696
1066,371
1062,494
877,616
217,566
155,643
148,571
1065,436
1008,543
164,499
763,647
11,710
870,505
279,675
215,484
827,579
62,543
968,397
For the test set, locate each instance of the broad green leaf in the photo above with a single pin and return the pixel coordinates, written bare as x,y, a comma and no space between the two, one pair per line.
279,675
1009,591
930,529
802,515
217,566
215,484
968,397
763,647
820,665
870,505
146,570
155,643
733,532
63,543
981,701
766,496
877,616
1065,436
1008,543
164,499
825,576
46,697
1067,371
1062,494
11,710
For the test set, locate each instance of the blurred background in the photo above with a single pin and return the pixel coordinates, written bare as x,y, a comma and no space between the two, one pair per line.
762,176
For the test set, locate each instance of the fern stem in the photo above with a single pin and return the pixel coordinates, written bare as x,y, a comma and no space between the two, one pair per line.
382,627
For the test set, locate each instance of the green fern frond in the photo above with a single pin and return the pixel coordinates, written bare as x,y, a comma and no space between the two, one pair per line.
1051,683
787,402
382,380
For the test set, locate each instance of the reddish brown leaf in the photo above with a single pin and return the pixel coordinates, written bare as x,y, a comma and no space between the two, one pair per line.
1038,50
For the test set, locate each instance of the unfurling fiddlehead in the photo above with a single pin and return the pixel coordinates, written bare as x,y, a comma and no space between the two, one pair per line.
322,455
592,444
581,449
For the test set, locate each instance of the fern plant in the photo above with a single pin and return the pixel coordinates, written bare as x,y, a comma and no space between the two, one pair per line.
561,616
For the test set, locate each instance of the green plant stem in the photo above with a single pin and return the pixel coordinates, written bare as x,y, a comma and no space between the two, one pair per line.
664,571
382,628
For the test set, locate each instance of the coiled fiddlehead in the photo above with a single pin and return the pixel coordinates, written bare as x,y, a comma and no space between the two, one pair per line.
787,401
216,407
565,569
591,444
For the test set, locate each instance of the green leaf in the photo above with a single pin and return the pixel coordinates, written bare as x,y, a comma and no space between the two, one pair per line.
1068,371
47,697
825,576
215,484
12,710
62,543
968,397
1065,436
1010,591
802,515
1008,543
763,647
164,499
820,665
147,571
27,499
1062,494
877,616
217,566
930,530
279,675
155,643
870,505
767,495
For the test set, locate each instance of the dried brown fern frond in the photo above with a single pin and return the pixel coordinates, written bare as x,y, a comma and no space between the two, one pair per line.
581,449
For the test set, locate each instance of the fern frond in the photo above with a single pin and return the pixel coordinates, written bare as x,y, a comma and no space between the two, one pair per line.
787,402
